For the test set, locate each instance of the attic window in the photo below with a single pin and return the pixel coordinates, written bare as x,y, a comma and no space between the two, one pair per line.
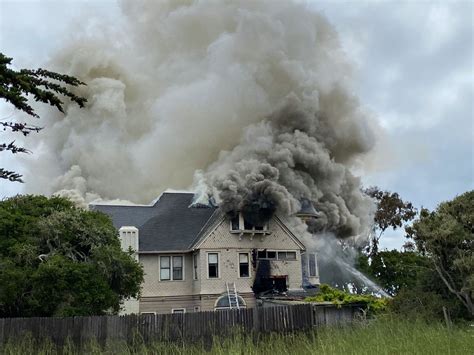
234,223
239,224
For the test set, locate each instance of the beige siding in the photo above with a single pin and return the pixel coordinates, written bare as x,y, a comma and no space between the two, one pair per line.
229,245
152,285
203,302
229,271
161,296
221,238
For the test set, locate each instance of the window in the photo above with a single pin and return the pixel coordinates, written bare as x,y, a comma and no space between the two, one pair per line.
177,267
197,309
171,268
265,254
195,266
244,265
178,310
273,255
235,223
239,224
312,265
247,225
213,265
223,303
165,268
286,255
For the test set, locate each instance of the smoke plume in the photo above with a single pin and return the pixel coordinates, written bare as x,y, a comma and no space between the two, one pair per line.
251,99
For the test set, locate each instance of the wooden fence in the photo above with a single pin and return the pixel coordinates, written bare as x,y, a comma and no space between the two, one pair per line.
176,327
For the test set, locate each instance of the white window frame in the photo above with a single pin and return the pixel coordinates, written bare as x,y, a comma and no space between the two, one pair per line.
276,255
171,267
173,310
195,266
218,265
249,262
242,303
288,251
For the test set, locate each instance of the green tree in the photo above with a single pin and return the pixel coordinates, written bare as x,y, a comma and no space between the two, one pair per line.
392,212
446,236
44,86
58,260
393,270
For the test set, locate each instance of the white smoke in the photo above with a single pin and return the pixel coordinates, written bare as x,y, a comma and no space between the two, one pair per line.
253,94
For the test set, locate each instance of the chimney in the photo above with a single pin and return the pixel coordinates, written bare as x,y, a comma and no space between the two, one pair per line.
129,239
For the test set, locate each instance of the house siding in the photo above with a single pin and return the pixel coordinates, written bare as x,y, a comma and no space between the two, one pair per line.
229,245
205,303
222,238
152,286
163,296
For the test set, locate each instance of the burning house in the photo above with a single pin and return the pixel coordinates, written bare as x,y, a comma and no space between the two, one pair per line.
198,258
249,103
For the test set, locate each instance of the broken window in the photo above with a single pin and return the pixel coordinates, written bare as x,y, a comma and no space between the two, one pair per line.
238,223
213,265
247,225
244,265
271,254
235,223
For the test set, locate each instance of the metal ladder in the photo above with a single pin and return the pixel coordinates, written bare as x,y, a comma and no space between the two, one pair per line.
232,296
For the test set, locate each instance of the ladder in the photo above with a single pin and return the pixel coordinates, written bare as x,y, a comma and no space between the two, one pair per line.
232,296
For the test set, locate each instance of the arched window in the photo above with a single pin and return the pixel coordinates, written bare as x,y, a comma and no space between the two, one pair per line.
223,303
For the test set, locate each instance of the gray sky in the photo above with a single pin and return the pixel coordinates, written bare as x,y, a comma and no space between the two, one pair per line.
413,65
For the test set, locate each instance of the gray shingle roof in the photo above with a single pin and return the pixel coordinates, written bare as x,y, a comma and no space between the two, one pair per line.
170,224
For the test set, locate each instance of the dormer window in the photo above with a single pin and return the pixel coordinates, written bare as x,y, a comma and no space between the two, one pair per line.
241,225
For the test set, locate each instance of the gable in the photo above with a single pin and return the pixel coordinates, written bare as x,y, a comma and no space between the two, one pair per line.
220,237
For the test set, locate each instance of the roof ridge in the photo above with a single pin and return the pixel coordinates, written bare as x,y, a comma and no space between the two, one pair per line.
118,205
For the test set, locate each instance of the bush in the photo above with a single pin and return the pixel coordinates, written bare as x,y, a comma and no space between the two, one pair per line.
338,297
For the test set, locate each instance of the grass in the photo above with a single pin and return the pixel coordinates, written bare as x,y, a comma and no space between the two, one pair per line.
385,335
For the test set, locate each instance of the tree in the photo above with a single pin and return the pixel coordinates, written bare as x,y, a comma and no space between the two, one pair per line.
59,260
394,270
392,212
446,236
45,86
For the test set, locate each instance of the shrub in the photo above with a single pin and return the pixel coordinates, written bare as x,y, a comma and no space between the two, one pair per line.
338,297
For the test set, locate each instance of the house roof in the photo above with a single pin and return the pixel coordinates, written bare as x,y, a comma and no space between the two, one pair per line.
171,224
127,215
